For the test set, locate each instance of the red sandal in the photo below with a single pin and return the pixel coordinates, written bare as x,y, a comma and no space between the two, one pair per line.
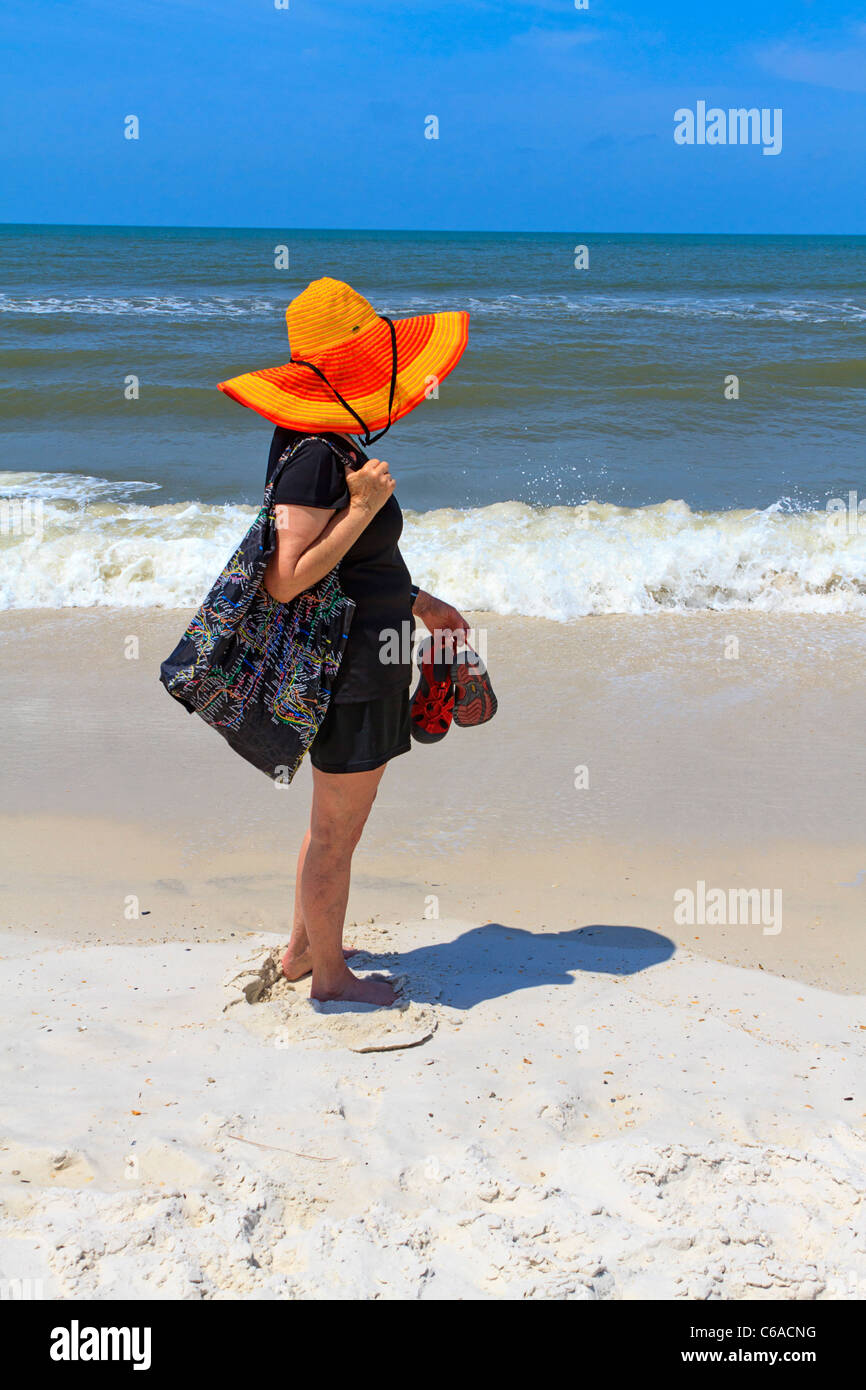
433,701
474,700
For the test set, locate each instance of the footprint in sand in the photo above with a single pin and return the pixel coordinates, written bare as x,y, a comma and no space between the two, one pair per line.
284,1012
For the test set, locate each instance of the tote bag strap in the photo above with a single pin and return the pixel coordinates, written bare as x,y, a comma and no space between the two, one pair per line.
286,458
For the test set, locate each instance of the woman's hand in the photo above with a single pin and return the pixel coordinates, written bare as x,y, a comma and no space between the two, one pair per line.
369,486
439,616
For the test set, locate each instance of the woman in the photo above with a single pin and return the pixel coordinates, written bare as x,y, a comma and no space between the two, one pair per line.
352,371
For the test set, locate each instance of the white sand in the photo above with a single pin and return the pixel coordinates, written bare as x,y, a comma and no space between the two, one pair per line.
591,1118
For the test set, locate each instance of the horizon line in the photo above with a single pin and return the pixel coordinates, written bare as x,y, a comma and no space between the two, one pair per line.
407,231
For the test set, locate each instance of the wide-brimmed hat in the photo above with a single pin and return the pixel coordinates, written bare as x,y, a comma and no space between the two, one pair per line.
351,370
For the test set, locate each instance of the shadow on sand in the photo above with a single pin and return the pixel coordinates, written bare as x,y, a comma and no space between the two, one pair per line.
491,961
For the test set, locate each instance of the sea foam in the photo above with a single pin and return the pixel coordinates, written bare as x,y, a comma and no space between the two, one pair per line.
82,547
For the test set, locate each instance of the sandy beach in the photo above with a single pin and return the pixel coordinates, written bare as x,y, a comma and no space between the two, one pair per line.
523,327
580,1096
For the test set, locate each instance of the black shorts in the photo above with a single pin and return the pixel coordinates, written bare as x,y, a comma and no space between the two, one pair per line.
360,736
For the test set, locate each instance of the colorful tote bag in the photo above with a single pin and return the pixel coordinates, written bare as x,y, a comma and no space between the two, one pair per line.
258,671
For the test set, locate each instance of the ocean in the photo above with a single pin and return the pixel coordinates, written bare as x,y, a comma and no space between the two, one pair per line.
585,457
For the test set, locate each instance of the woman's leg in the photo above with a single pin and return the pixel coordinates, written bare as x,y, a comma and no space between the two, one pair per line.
341,805
297,960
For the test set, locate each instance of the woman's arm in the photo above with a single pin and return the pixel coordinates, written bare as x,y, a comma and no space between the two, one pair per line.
437,615
310,540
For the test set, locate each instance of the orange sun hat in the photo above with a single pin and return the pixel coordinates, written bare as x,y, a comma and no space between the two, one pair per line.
351,370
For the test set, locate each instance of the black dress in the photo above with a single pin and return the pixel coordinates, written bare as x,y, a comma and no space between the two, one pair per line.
368,719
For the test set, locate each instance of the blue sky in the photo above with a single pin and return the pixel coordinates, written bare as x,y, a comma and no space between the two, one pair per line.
550,118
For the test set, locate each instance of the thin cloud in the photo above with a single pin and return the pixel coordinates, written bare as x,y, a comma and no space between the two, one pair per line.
842,68
558,40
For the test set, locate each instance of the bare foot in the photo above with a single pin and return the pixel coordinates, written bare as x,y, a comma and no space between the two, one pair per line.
296,967
374,989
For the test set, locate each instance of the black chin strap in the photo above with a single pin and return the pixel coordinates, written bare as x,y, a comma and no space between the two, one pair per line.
368,437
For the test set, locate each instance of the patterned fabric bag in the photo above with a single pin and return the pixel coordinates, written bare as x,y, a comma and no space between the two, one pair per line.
258,671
